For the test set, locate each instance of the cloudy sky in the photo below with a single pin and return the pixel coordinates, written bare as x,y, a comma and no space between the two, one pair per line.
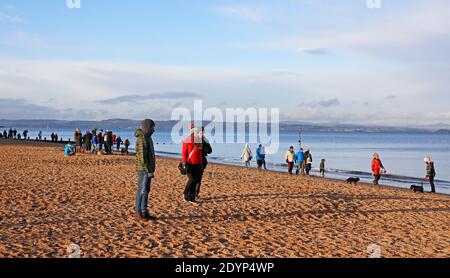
316,60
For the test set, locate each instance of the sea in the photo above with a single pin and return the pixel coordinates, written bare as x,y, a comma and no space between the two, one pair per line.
347,154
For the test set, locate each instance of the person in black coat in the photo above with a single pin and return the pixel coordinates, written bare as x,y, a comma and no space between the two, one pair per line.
206,150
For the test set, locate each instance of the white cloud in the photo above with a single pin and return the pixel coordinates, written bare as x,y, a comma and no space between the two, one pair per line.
252,13
332,93
23,40
4,16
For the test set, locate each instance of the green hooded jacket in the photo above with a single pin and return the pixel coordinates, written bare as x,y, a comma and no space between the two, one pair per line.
430,170
145,153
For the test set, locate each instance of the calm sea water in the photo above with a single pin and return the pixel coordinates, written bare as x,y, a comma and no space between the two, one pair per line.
346,154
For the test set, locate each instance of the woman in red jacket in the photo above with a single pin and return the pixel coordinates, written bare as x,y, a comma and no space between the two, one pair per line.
377,168
192,159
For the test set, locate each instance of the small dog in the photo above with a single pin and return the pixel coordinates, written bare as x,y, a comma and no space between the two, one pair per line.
352,180
417,188
124,151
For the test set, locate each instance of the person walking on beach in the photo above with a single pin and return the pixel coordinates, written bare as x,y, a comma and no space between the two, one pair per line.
322,168
127,145
87,139
377,168
40,135
118,143
94,142
290,159
261,157
145,167
77,139
299,161
247,155
192,161
309,161
431,173
52,136
100,140
108,142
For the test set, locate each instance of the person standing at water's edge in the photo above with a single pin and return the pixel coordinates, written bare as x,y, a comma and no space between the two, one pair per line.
247,155
377,168
261,157
431,173
309,160
322,168
290,159
145,167
192,160
299,159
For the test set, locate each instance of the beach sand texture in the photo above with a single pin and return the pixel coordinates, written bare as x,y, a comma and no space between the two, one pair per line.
49,202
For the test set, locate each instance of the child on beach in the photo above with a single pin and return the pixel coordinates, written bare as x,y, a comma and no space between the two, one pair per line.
69,150
322,168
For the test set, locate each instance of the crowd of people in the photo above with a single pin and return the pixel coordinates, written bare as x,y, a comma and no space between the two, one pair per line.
14,134
98,141
302,161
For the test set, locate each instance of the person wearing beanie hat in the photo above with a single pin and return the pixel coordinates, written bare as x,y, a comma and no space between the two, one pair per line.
192,161
145,167
431,173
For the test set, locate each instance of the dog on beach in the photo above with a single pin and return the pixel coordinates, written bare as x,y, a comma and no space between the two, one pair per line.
124,151
352,180
417,188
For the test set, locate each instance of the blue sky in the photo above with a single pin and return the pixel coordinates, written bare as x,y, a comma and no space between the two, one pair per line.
316,60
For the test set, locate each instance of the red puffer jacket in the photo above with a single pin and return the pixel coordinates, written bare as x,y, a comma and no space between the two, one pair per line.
191,153
376,166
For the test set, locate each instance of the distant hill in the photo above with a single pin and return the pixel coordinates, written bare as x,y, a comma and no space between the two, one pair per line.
113,124
443,131
124,124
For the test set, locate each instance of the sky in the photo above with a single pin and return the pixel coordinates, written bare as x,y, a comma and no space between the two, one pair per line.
315,60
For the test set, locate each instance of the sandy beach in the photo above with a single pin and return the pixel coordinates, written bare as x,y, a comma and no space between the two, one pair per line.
49,202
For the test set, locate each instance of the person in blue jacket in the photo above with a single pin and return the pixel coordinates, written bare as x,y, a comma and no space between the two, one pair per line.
261,157
299,161
69,150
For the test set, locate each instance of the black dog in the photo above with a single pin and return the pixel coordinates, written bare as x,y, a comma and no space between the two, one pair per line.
353,180
417,188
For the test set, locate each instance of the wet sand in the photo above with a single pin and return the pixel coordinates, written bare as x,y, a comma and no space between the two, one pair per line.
49,202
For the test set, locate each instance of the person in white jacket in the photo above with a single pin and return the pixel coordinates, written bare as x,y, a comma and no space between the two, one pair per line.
290,159
247,155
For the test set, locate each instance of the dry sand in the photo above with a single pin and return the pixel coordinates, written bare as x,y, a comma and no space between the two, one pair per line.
49,202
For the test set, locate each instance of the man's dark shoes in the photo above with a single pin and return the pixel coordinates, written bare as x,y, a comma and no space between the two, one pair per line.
146,216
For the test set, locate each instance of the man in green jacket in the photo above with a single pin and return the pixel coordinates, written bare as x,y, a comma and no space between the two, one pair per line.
145,167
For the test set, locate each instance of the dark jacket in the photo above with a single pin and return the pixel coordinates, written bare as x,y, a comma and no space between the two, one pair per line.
430,170
145,153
